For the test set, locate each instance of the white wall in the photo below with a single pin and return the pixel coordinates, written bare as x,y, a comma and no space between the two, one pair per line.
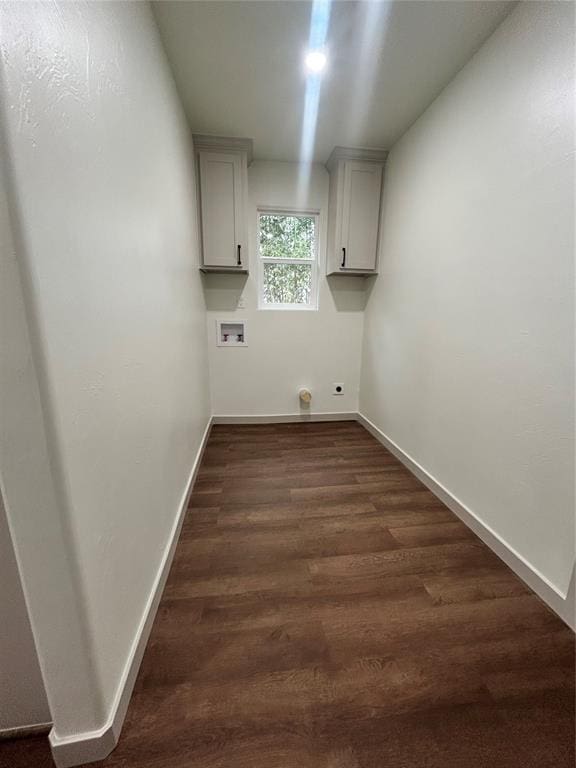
286,349
33,503
468,355
103,201
23,702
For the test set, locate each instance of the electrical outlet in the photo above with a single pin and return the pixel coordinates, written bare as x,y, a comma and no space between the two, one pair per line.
338,389
241,303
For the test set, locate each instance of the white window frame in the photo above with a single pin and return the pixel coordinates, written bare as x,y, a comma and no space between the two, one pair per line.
303,212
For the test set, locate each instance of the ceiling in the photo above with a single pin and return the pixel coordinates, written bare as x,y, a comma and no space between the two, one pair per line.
239,67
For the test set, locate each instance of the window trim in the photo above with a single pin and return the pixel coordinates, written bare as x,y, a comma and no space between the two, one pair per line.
315,267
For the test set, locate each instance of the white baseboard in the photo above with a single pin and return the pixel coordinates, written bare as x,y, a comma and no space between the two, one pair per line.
282,418
25,731
96,745
562,604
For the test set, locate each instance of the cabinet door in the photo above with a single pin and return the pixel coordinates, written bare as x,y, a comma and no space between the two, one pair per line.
222,206
361,214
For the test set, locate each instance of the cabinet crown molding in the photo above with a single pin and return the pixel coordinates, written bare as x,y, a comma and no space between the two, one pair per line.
356,153
204,141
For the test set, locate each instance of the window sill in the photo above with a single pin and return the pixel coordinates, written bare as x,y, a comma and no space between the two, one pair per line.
287,307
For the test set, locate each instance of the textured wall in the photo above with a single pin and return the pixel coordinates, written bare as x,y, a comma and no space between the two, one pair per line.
468,358
104,192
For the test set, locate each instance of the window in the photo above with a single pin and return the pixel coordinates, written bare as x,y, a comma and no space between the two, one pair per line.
287,244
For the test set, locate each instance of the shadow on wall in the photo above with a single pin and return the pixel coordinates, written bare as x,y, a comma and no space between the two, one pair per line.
222,292
350,294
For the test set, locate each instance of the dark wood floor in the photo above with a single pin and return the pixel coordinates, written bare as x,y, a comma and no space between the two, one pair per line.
325,610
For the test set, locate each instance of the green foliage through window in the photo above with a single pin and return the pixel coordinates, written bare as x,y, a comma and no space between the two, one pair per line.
287,283
287,238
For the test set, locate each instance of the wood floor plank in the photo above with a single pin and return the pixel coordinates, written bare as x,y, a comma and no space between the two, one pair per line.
328,492
237,654
240,551
404,560
325,610
431,533
286,580
288,512
308,479
487,584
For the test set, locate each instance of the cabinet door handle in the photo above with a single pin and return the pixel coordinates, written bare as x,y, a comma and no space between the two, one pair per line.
343,258
239,262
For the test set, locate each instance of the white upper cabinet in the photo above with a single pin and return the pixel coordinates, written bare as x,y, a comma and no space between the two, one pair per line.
354,210
222,179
